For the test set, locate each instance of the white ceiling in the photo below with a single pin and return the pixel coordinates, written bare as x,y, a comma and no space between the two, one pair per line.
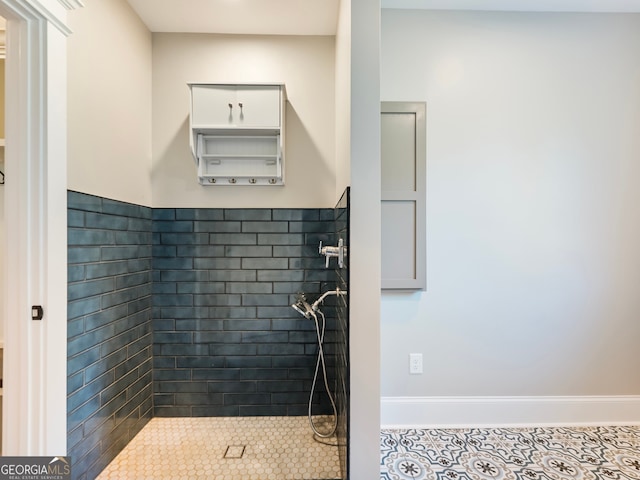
612,6
319,17
258,17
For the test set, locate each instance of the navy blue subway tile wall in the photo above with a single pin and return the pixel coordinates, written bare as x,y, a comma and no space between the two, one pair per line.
109,338
186,312
226,341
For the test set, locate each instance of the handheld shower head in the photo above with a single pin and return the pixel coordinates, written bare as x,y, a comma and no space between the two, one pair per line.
302,307
298,307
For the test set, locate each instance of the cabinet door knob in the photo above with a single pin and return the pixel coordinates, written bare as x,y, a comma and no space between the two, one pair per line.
231,106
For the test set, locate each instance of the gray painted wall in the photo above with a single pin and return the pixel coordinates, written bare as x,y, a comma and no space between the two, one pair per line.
533,210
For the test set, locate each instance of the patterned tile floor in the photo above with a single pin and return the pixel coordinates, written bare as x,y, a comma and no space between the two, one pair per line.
256,448
511,453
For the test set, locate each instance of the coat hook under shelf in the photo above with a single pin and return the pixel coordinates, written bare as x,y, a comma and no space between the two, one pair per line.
2,179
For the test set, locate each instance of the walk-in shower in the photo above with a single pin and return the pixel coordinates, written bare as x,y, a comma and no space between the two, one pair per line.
181,318
312,312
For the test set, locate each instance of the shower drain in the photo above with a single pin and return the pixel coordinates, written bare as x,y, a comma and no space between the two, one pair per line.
234,451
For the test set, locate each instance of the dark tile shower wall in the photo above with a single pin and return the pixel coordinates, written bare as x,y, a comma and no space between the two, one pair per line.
342,335
226,341
109,382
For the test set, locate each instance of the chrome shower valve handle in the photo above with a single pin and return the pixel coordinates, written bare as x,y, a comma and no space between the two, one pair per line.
340,252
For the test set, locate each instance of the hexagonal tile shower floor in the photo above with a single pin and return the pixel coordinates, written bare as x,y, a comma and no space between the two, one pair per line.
225,448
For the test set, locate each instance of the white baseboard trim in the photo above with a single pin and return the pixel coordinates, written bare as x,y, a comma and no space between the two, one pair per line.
451,412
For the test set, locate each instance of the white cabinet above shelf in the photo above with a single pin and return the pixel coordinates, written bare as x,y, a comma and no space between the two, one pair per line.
237,133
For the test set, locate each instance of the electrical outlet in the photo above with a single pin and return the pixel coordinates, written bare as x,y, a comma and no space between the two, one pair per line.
415,363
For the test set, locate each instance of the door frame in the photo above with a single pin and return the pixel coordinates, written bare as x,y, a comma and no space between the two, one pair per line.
34,377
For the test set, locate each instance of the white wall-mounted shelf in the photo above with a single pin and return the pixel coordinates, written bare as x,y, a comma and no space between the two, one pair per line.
237,133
